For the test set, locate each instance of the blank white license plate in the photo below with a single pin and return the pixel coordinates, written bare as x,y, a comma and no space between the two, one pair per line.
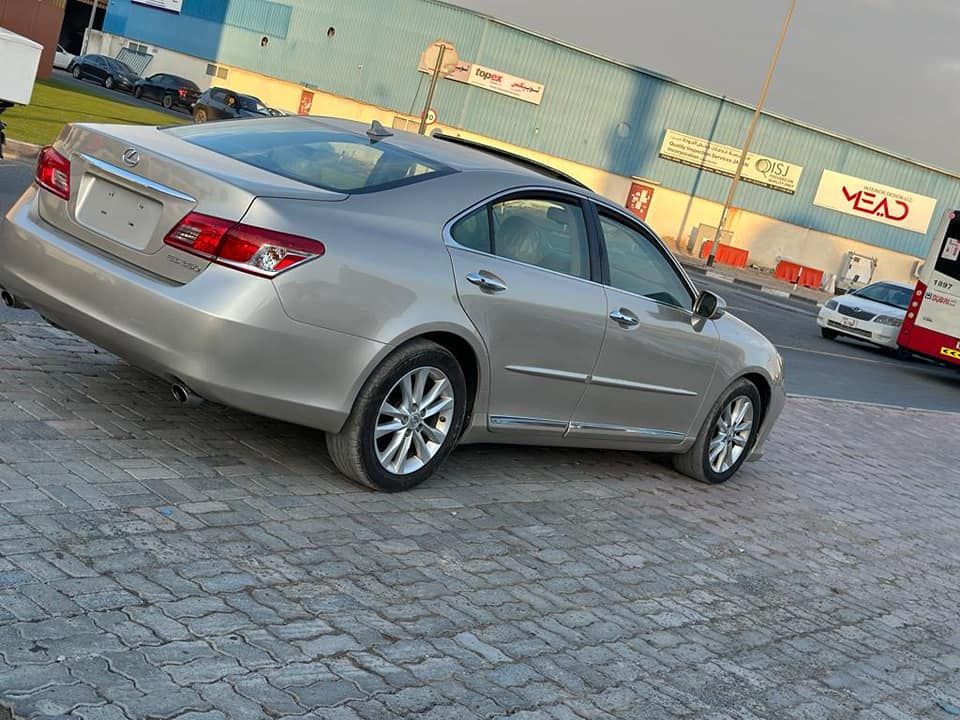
117,213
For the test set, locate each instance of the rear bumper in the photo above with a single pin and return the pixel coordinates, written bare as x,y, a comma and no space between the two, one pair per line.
224,334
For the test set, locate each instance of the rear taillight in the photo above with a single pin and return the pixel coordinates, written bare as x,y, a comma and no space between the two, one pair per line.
53,172
183,92
244,247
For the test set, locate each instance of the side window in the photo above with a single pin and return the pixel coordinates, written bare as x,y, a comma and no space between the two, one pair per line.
638,266
551,234
473,231
218,95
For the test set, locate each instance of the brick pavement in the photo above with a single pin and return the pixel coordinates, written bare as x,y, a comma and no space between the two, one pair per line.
202,564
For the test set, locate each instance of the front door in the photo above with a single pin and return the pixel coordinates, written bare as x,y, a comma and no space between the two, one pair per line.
657,359
523,275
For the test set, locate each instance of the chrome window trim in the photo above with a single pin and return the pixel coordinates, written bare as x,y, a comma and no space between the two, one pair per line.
573,197
135,179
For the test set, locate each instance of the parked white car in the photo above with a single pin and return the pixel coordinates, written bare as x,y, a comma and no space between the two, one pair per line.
62,59
874,313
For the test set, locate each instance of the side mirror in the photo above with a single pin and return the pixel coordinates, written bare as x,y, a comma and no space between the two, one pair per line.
709,306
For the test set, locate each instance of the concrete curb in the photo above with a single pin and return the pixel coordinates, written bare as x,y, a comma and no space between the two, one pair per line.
19,150
754,284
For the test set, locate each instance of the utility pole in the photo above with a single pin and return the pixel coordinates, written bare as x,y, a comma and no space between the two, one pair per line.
93,16
753,126
433,87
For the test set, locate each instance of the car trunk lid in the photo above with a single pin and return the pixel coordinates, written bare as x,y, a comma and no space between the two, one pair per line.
131,185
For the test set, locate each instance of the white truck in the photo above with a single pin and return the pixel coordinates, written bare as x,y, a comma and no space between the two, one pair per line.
20,58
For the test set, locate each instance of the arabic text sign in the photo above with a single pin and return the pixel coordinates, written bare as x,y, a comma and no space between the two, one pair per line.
170,5
495,81
501,82
873,201
723,159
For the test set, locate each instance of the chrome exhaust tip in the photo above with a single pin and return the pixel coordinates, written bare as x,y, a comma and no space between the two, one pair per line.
184,395
10,301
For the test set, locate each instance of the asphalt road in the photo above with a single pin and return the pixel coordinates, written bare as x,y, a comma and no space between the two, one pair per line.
843,370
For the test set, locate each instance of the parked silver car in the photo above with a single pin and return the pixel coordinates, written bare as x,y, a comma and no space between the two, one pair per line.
401,293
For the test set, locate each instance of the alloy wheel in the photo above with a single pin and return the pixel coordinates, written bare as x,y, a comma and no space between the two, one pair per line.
414,420
731,434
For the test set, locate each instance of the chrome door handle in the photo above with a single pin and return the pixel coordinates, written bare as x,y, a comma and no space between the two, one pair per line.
624,317
487,283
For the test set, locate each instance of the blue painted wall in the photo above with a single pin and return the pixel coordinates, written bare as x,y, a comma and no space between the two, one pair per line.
594,111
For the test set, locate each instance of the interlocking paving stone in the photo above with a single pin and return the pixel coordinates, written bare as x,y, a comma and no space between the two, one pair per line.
164,562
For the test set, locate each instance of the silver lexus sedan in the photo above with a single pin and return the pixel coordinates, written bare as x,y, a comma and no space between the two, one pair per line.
401,293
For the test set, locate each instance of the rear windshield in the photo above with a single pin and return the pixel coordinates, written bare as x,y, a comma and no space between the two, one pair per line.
336,161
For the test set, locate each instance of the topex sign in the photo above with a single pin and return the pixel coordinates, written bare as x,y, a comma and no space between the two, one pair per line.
873,201
723,159
169,5
493,80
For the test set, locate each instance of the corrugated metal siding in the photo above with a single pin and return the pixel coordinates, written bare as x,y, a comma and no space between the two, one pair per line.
594,111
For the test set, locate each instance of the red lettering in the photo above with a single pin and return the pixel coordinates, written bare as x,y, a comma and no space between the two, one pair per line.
866,203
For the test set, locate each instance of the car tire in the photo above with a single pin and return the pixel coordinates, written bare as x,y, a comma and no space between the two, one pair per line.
200,116
360,455
903,354
167,101
108,82
697,463
77,73
828,334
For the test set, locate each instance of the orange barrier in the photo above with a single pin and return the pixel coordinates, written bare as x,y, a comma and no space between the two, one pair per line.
797,274
727,254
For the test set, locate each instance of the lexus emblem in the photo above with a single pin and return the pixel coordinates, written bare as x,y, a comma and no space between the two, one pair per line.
131,157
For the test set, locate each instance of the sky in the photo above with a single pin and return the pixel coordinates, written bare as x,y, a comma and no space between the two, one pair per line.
881,71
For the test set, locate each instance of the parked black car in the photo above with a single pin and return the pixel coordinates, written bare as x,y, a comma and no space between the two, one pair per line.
108,71
169,90
221,104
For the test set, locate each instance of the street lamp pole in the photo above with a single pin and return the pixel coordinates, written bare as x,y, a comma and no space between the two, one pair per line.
433,87
753,126
93,15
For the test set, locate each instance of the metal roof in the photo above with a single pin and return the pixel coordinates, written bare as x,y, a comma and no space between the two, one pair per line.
594,110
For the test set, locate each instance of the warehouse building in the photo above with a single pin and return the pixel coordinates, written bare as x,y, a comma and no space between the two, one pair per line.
662,148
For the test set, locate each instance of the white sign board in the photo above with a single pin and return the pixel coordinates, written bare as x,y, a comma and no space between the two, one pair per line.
501,82
873,201
21,57
723,159
169,5
493,80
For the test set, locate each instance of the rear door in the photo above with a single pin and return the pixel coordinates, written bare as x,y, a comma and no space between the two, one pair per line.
657,359
152,87
524,277
96,69
216,106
